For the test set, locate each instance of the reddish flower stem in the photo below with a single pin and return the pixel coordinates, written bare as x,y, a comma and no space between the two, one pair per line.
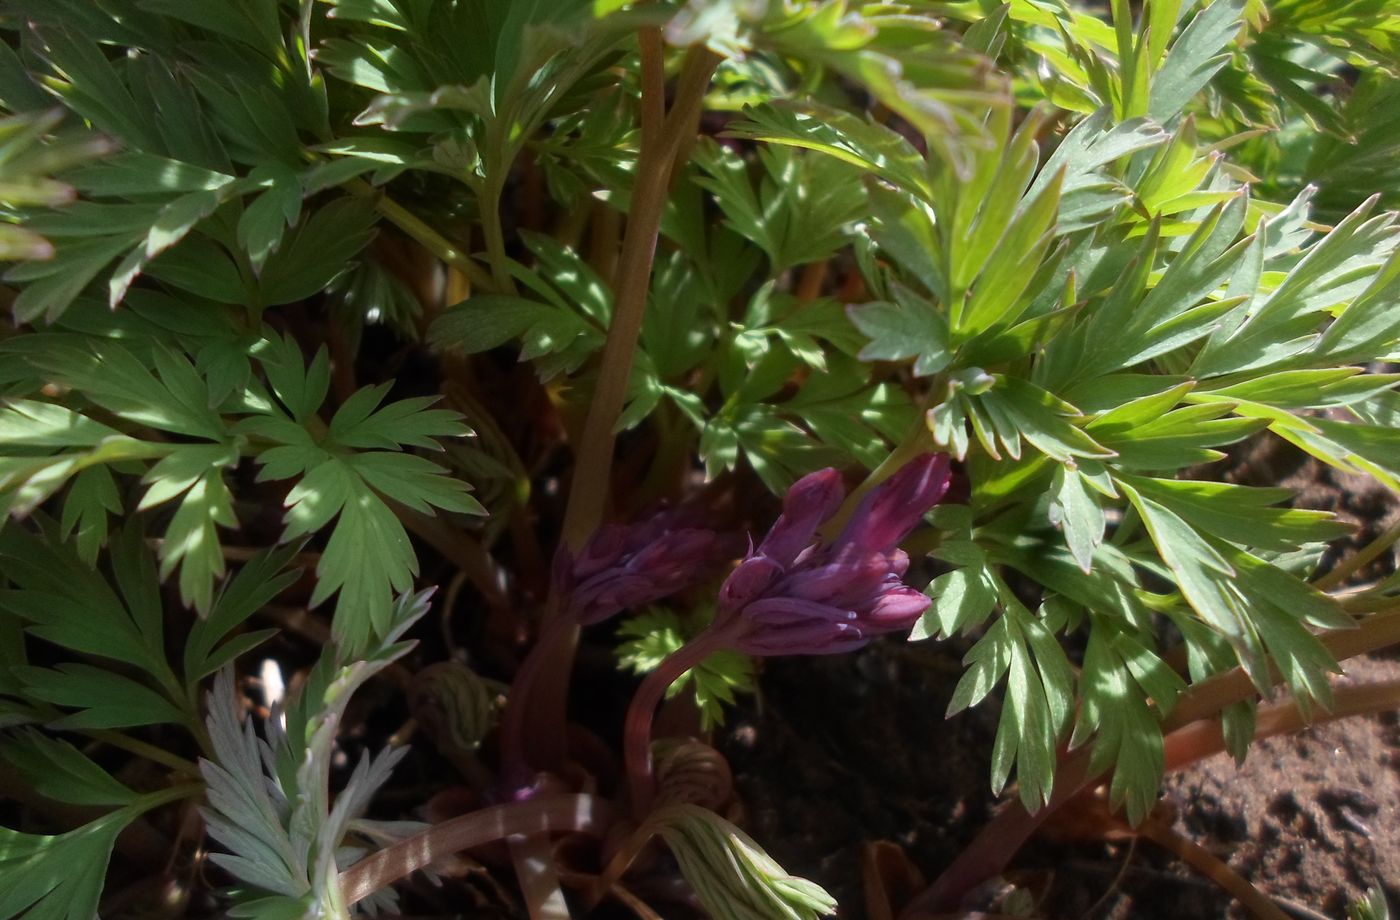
548,814
632,847
515,759
636,732
532,855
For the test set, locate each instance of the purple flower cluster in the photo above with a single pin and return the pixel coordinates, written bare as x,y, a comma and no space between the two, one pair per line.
628,566
792,596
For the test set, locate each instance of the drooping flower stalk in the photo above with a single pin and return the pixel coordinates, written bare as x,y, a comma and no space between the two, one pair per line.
636,730
794,596
622,567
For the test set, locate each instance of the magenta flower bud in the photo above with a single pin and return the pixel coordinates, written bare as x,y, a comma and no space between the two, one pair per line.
750,579
786,611
843,579
675,553
621,592
899,608
793,596
629,566
805,639
897,505
602,550
811,500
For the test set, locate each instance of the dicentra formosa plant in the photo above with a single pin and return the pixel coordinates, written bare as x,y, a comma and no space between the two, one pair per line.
793,597
680,255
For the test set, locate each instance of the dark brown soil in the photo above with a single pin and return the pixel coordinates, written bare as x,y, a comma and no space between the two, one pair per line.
1312,820
838,752
849,749
843,751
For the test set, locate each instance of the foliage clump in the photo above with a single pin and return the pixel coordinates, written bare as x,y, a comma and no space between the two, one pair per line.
318,303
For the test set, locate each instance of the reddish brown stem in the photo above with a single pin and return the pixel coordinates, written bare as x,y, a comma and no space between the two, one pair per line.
1205,738
533,858
1213,868
545,815
809,283
622,860
514,756
661,142
653,109
616,889
636,743
995,845
588,491
1213,694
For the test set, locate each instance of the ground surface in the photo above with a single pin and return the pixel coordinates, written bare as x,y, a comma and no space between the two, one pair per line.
843,751
839,752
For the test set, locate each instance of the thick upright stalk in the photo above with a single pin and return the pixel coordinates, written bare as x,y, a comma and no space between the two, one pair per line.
493,233
593,459
660,144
